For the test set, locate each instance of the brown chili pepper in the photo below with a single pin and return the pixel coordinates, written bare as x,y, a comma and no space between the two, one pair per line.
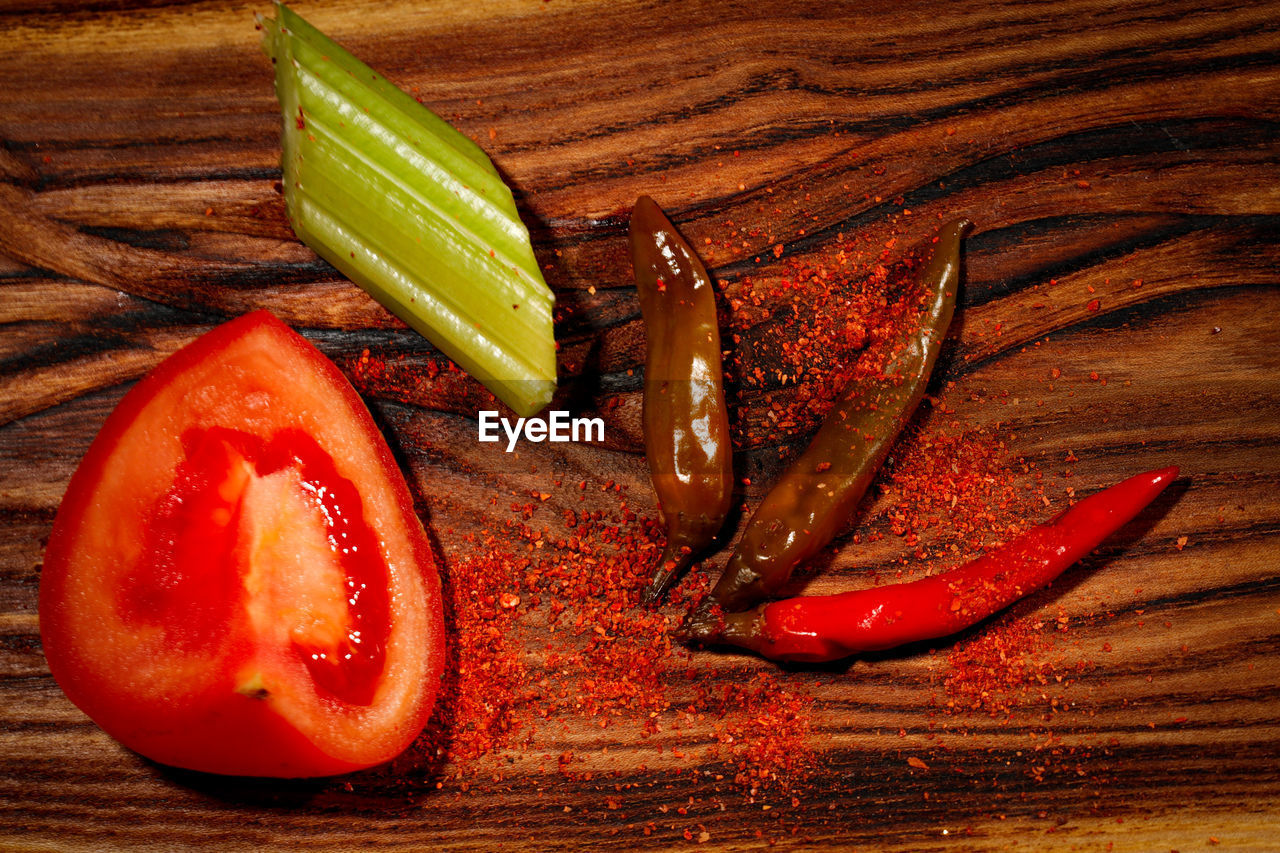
686,422
818,493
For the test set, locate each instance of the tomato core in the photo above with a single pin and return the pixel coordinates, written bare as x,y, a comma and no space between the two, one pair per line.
271,527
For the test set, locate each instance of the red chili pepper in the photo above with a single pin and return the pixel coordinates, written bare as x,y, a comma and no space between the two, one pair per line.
825,628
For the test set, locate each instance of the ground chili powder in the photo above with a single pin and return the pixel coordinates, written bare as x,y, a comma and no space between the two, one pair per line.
548,638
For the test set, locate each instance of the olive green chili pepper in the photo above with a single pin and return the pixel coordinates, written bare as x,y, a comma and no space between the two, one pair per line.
818,493
686,423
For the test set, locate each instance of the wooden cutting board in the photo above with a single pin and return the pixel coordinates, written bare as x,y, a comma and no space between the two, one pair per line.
1118,314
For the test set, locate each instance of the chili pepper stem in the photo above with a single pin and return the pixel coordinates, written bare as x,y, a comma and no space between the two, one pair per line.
706,624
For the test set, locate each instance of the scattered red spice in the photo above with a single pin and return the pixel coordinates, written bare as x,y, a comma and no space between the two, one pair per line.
952,490
1009,665
488,681
762,732
551,644
550,640
820,322
417,377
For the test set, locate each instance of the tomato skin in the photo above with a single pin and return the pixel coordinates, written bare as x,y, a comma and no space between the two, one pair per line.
196,569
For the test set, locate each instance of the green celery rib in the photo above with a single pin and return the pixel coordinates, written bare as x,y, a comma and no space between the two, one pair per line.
326,178
412,211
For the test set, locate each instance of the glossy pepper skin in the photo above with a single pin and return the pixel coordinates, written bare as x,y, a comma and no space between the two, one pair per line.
686,422
814,629
818,493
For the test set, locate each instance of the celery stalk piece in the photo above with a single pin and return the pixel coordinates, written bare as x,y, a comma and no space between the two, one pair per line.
412,211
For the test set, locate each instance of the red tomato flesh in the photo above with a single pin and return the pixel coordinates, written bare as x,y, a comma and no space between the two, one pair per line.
236,581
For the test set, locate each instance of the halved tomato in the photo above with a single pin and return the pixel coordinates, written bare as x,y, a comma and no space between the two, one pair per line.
236,581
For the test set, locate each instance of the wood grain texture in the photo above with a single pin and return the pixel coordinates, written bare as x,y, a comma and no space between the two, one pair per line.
1122,163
